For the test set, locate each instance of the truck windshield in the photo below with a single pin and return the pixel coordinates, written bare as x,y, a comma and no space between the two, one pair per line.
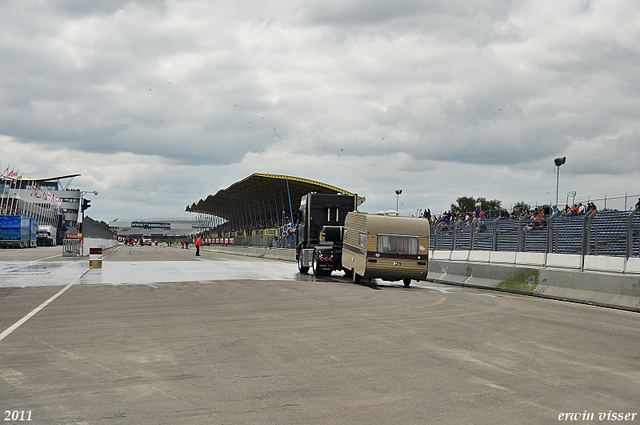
402,245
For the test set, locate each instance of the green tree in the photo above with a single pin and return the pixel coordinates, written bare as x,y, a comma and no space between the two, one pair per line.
491,208
521,206
464,204
467,204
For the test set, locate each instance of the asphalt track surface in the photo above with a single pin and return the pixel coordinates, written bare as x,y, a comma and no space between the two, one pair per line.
159,336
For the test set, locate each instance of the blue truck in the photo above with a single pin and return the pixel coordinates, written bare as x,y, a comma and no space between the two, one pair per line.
18,232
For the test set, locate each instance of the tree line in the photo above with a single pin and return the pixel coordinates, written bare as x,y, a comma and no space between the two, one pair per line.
491,208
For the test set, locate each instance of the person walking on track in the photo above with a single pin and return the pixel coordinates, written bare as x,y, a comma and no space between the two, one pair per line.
198,245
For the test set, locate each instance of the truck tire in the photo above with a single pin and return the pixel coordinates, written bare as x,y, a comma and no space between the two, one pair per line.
301,268
314,265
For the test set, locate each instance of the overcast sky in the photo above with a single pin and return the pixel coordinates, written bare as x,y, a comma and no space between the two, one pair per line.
161,103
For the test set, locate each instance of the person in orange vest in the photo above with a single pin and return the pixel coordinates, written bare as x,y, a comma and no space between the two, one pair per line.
198,245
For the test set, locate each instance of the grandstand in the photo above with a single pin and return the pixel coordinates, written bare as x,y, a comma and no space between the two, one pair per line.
611,233
258,209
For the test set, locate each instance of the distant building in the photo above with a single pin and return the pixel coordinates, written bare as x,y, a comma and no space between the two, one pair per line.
48,200
160,227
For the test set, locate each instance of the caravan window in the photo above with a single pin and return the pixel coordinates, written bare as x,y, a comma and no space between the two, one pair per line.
402,245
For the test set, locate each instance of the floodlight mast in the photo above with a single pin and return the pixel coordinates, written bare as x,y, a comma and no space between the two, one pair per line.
84,206
558,162
398,193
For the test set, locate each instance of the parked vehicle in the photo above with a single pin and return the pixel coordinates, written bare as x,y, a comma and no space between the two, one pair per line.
385,246
47,235
146,240
18,232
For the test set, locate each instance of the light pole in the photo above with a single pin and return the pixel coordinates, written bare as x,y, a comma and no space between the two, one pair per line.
398,193
82,204
558,162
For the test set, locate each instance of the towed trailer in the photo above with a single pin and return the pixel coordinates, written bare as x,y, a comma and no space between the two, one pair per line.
18,232
385,246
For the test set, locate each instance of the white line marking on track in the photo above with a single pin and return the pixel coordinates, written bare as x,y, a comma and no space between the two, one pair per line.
48,258
35,311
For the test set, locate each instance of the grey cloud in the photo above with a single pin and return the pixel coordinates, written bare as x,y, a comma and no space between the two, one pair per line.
81,8
364,12
421,88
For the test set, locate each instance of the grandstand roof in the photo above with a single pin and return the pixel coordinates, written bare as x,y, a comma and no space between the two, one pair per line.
42,179
262,196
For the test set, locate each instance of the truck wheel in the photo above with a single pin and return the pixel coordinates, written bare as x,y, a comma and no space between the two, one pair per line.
301,268
314,264
406,282
355,277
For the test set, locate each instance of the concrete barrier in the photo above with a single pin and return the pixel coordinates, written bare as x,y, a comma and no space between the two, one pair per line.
564,261
601,263
283,254
442,255
605,281
480,256
460,255
503,257
537,259
88,243
633,266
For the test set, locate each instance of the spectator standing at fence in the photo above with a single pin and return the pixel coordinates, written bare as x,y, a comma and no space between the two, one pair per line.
198,245
581,209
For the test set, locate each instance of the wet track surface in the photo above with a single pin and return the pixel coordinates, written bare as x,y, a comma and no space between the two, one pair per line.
159,336
116,270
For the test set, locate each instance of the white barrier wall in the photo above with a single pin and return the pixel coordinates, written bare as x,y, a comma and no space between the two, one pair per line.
599,280
88,243
596,263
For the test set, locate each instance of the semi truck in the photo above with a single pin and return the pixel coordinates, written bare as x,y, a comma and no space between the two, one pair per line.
319,222
47,236
18,232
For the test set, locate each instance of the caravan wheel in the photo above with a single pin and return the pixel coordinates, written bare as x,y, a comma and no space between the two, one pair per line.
355,277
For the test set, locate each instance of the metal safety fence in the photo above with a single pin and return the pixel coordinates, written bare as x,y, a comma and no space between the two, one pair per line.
612,233
93,229
71,248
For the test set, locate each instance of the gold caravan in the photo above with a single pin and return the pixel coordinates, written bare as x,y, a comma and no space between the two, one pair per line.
385,246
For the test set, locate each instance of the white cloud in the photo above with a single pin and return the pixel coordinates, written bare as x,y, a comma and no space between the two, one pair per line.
159,103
